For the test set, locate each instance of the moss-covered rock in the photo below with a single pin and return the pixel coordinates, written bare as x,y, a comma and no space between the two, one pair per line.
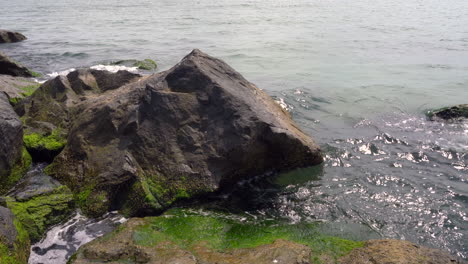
391,251
17,171
453,113
146,64
194,129
14,161
45,147
185,236
42,211
14,239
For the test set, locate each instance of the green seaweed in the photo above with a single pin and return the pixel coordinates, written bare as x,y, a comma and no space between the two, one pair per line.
54,141
40,212
17,171
21,247
146,64
187,229
35,74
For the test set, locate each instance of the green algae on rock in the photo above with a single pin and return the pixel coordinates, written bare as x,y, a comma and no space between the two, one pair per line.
42,211
146,64
13,159
390,251
45,147
18,170
188,236
14,239
149,141
449,113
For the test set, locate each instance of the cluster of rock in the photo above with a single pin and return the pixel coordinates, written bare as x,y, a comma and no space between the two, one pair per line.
138,144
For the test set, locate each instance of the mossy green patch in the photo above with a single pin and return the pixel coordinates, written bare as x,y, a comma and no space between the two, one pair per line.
21,247
35,74
27,90
54,141
18,170
146,64
40,212
186,229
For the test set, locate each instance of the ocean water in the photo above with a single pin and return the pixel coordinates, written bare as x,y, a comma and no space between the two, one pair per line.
356,75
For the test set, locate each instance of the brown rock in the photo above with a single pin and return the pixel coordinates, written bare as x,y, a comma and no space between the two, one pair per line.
11,143
397,252
140,144
9,67
10,36
121,246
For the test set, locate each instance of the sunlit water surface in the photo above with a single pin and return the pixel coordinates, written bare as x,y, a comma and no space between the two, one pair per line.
357,75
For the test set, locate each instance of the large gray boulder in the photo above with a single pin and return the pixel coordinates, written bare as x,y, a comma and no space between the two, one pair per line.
10,36
9,67
193,129
11,145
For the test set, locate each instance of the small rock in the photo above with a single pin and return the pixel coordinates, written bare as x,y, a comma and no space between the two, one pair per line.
10,36
449,113
390,251
9,67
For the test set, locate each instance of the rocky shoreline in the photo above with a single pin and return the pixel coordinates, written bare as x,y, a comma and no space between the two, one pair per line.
139,144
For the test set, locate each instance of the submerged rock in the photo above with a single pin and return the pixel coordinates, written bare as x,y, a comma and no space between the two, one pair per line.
390,251
194,237
146,64
182,236
10,36
139,144
449,113
14,161
9,67
14,240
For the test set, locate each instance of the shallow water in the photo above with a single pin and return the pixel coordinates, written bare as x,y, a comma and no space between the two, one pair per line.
357,75
62,240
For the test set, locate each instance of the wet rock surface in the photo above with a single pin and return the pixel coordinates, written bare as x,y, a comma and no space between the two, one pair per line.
453,113
39,202
10,36
14,241
11,143
139,144
122,247
34,183
63,240
397,252
9,67
8,231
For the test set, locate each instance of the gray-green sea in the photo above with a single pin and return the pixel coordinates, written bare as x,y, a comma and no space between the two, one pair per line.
356,75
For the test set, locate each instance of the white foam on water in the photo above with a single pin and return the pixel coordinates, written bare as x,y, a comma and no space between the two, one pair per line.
114,68
65,239
61,73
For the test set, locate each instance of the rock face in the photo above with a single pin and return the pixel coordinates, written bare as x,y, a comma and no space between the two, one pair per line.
449,113
11,144
16,87
9,67
10,36
14,241
397,252
139,144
